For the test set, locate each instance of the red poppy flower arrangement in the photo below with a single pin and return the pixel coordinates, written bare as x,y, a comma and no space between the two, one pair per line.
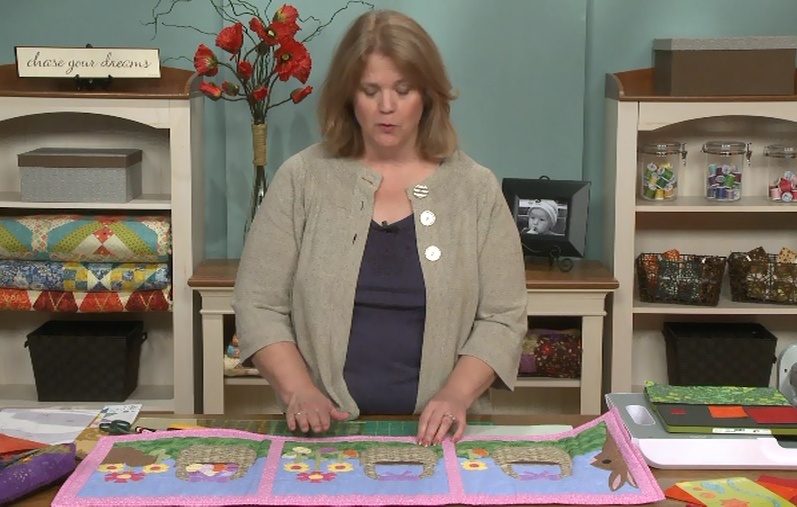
274,55
258,50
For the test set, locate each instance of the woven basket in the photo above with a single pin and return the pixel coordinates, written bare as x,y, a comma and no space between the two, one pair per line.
759,280
690,280
86,360
719,353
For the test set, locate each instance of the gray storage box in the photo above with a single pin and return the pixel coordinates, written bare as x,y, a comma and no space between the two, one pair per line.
111,175
725,66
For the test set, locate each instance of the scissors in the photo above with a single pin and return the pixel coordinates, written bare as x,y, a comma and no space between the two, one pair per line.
116,427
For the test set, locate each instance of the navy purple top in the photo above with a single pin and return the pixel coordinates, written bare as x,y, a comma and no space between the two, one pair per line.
383,360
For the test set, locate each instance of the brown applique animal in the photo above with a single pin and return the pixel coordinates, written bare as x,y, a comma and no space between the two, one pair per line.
609,459
505,457
241,455
373,456
129,456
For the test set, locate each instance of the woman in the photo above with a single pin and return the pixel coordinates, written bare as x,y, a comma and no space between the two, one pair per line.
363,286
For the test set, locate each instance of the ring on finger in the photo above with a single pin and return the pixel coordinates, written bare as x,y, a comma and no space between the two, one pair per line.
296,414
450,416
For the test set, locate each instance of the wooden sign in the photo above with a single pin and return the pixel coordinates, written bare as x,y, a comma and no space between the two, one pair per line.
87,62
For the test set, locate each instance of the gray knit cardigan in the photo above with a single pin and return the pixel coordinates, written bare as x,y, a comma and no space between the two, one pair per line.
300,264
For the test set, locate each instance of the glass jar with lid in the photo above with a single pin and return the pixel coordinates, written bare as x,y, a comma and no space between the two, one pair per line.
658,169
724,163
781,172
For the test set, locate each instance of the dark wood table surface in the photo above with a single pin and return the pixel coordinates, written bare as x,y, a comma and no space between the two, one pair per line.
586,274
666,478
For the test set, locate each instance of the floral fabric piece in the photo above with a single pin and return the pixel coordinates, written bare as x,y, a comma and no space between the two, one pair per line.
97,238
84,276
731,491
592,464
86,302
714,395
551,353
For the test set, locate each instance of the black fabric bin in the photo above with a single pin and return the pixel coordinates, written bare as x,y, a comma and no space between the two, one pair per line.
719,353
86,360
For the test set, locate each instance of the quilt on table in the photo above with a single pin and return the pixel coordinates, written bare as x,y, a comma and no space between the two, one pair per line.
592,464
95,238
86,302
84,276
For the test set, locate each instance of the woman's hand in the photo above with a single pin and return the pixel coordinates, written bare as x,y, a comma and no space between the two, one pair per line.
283,367
448,408
445,412
310,409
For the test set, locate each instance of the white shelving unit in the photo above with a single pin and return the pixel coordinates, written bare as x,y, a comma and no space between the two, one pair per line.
162,117
691,224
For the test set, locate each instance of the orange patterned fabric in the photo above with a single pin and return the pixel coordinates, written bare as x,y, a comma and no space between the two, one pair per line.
727,411
85,302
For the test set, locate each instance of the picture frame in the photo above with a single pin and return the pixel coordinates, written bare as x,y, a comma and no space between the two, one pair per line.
551,215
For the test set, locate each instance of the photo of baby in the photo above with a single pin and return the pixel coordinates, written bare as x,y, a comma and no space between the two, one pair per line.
542,216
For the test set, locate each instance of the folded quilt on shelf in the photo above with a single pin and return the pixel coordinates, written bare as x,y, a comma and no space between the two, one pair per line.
84,276
86,302
592,464
94,238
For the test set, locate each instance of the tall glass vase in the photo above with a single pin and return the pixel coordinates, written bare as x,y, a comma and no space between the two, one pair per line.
259,187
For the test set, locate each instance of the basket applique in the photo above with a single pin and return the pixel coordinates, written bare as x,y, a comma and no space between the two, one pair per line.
388,461
218,463
187,460
505,457
593,464
593,453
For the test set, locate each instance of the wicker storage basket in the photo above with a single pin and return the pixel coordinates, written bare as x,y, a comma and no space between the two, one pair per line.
719,353
689,280
86,360
762,280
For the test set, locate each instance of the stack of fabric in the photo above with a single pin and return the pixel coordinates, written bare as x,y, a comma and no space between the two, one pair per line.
85,263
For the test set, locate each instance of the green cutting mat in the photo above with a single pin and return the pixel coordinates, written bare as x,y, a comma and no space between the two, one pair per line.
345,428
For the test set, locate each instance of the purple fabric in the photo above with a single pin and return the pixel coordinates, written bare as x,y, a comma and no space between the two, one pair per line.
36,471
528,364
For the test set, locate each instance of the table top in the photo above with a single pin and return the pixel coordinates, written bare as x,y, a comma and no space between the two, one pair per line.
540,275
666,478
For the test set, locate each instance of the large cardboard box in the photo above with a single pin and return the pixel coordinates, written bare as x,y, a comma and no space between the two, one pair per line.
727,66
111,175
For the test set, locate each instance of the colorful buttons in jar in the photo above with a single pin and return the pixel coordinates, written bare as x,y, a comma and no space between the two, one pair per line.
782,172
658,169
724,163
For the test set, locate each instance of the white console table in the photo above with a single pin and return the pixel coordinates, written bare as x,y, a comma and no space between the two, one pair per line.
580,292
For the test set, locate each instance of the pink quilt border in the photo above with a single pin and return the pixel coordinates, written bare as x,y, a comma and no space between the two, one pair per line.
647,484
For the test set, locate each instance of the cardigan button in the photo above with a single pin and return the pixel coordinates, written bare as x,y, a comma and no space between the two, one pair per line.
427,218
432,253
420,191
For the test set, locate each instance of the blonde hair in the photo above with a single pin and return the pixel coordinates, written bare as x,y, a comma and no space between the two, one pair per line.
417,57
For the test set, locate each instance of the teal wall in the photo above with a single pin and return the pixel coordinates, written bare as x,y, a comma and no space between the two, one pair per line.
530,75
619,35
